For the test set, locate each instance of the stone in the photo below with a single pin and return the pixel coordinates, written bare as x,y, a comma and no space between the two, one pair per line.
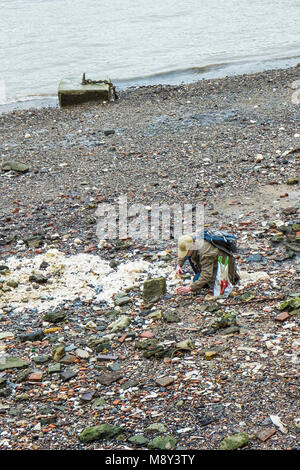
210,355
120,324
71,91
103,431
163,443
58,353
107,378
34,241
186,345
41,359
35,376
12,363
121,299
282,316
68,374
153,289
164,381
82,353
55,317
12,284
171,317
156,427
265,434
234,442
139,440
37,335
6,334
292,181
290,304
13,165
54,368
38,278
99,404
147,334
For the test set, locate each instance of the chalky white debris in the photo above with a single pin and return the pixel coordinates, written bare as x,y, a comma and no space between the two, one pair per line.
85,276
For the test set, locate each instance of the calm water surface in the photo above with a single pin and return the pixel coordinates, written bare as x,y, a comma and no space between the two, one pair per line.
137,42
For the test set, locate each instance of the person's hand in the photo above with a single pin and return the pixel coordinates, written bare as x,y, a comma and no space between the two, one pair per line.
183,290
178,271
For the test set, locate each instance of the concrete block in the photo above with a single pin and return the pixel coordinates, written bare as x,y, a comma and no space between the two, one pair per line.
71,91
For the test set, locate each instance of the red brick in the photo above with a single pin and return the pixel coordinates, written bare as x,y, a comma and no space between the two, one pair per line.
282,316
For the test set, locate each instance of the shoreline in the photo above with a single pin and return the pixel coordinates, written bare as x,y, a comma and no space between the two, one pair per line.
230,145
141,82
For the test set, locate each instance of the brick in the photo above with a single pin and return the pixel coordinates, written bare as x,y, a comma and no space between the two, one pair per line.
147,334
282,316
35,377
265,434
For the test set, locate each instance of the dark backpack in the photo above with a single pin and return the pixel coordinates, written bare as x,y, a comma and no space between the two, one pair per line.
222,240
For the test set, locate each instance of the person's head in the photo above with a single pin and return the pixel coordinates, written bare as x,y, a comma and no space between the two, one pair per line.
185,246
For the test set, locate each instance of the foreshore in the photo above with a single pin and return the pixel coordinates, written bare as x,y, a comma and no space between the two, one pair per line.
230,145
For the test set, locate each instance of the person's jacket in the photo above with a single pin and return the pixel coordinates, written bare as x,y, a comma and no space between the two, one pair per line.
205,260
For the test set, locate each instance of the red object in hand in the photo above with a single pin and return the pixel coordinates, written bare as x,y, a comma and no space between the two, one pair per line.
178,270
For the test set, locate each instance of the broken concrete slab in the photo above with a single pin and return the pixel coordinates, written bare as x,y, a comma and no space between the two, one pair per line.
72,91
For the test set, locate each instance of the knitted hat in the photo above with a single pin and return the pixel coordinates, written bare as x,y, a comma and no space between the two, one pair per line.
185,243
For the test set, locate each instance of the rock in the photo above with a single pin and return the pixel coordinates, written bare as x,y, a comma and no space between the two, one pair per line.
129,384
153,289
292,181
68,374
170,317
156,427
34,241
12,363
139,440
87,396
256,259
282,316
107,378
32,336
210,355
186,345
54,368
6,334
234,442
38,278
99,404
82,353
120,324
265,434
35,376
13,165
41,359
58,353
55,317
227,320
103,431
290,304
121,299
12,283
164,381
163,443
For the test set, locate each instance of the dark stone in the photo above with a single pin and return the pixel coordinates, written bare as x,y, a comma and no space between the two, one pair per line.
33,336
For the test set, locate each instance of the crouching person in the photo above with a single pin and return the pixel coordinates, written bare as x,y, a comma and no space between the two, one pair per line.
203,257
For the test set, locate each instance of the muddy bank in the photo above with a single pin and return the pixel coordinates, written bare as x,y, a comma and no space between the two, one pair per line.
81,359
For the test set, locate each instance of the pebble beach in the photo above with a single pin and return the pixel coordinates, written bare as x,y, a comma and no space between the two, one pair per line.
85,362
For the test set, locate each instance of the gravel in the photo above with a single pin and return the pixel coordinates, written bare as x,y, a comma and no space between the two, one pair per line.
230,145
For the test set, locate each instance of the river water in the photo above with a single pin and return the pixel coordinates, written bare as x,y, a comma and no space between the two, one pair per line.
137,42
